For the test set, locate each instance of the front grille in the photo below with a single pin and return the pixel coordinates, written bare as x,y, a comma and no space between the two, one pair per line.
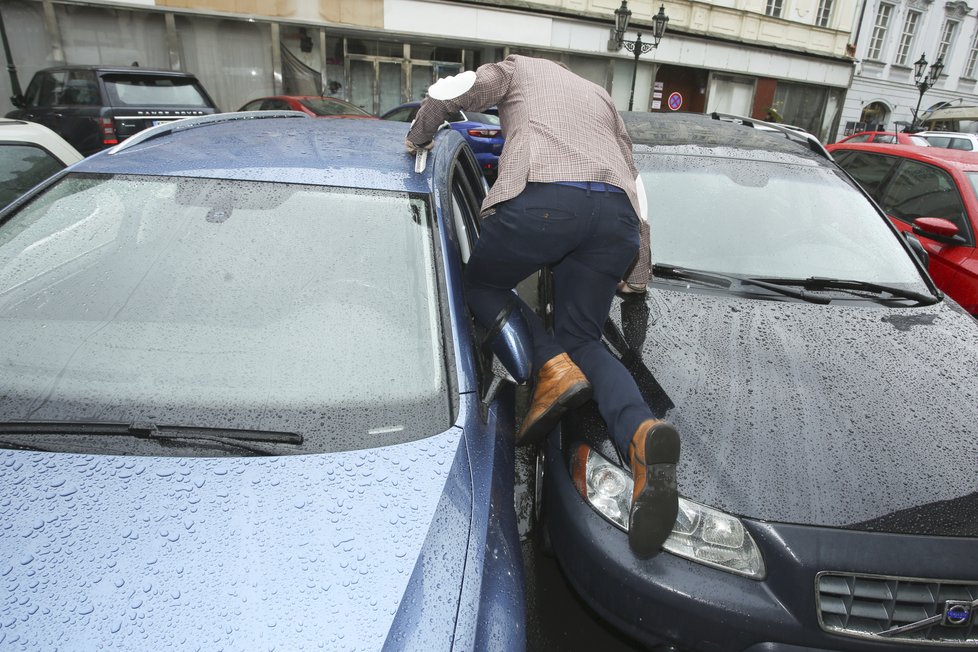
866,605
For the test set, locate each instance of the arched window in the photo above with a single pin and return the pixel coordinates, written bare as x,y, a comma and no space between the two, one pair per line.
875,115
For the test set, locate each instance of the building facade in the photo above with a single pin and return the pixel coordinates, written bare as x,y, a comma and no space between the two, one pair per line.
782,58
890,37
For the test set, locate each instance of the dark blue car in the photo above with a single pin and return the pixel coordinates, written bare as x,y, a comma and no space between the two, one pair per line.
481,130
242,404
825,393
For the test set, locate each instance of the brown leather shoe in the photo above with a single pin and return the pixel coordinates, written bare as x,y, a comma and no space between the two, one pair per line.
654,453
561,385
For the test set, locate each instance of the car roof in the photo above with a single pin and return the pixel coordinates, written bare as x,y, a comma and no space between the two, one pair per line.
949,158
950,134
690,133
120,69
283,147
31,132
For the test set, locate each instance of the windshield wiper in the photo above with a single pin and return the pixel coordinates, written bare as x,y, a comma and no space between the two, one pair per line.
824,283
235,437
727,281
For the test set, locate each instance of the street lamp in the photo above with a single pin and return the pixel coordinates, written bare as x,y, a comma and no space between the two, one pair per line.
637,47
924,82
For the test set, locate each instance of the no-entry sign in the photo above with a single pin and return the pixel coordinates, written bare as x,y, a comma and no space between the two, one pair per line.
675,101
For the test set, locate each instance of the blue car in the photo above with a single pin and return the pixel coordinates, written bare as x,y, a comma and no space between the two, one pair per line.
243,405
481,130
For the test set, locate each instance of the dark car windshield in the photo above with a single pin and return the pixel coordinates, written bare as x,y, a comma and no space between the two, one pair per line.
768,219
149,90
327,106
224,304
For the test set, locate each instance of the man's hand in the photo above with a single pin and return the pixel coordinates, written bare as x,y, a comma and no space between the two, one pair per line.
415,149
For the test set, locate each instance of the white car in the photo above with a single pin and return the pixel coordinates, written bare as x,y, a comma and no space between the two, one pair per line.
29,154
950,140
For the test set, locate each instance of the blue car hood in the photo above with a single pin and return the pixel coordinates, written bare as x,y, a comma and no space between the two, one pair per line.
246,553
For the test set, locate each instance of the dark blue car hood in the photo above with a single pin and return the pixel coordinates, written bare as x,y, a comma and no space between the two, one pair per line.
291,552
852,415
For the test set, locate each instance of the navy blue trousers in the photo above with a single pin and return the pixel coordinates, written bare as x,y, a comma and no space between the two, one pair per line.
588,238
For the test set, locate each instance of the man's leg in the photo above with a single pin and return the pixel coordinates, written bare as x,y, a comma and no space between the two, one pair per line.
585,284
518,240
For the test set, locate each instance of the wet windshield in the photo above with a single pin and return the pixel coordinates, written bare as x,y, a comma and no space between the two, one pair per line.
224,304
768,219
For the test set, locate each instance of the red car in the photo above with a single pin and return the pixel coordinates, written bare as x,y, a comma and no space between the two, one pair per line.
890,137
314,105
930,192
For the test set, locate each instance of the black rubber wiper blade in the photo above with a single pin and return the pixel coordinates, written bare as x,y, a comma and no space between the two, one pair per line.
826,283
727,280
148,430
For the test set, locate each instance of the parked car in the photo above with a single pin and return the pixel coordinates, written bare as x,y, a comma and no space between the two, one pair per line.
825,395
930,192
29,154
481,130
950,140
94,107
891,137
243,403
313,105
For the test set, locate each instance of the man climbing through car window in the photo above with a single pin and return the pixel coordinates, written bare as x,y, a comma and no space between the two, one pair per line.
565,197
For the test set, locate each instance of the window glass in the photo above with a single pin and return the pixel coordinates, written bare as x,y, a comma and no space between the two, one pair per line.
484,118
862,138
96,35
21,168
886,139
921,190
225,304
768,219
868,169
252,106
52,86
328,106
149,90
400,115
82,89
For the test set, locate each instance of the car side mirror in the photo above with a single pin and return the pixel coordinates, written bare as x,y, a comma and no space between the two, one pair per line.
510,341
917,248
19,101
938,228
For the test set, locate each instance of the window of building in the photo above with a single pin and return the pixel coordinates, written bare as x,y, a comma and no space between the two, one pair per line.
907,37
947,37
773,8
969,69
824,11
879,31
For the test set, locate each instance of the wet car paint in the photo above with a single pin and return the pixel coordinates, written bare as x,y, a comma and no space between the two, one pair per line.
790,410
96,563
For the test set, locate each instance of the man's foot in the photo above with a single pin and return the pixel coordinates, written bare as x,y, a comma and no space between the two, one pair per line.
560,386
654,453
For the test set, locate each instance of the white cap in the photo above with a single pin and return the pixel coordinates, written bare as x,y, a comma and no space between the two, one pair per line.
448,88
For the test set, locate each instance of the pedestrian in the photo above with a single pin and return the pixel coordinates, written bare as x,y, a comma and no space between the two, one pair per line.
565,196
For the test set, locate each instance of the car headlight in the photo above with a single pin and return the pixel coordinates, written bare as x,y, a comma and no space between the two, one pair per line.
701,534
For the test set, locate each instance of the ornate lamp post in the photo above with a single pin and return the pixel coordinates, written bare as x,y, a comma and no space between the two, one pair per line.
637,47
925,81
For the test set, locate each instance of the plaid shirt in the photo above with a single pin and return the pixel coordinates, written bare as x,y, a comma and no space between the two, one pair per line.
558,126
